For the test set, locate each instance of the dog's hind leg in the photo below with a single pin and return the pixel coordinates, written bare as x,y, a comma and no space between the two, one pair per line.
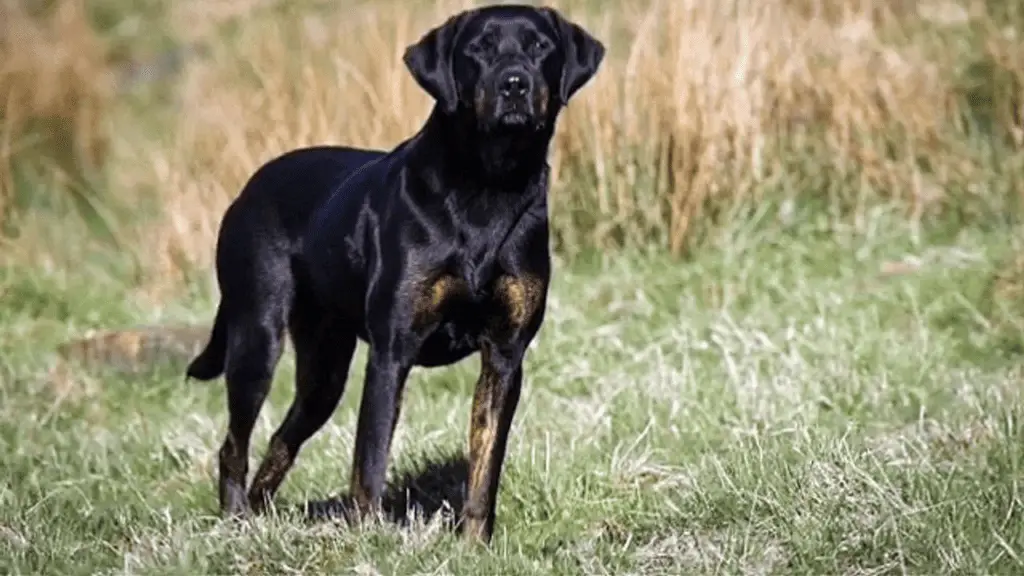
254,349
386,373
322,356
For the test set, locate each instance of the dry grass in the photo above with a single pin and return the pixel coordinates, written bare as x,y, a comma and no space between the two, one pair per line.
701,105
55,93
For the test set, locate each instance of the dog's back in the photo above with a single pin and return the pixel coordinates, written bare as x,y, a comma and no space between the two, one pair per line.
283,194
262,230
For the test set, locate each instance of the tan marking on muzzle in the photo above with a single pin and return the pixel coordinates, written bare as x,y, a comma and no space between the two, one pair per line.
480,103
543,96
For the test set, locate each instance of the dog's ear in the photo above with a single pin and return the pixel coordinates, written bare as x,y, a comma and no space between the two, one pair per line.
430,62
583,55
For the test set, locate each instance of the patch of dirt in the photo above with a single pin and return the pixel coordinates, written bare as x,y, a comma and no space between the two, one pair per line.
135,349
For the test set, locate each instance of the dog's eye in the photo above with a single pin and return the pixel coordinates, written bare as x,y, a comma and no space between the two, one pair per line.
484,44
489,41
536,47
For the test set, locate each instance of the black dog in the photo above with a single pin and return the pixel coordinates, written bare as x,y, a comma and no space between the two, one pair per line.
428,253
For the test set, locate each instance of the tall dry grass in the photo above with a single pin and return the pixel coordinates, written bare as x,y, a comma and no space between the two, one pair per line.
56,90
702,105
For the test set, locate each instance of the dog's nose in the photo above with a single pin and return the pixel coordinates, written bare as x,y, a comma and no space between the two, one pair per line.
514,83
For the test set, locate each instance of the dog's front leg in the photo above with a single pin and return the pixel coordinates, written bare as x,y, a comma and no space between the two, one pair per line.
386,372
494,405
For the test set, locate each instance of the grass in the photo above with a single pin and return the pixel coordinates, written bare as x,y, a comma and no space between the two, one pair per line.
827,381
802,397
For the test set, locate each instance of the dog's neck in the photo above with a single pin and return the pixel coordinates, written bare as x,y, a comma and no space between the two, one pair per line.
480,159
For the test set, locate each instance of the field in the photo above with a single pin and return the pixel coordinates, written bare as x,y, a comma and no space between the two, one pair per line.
784,334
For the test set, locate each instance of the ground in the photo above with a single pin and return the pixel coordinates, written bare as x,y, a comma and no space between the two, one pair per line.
799,397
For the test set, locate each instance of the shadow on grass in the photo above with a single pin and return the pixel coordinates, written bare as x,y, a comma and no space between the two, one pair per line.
430,486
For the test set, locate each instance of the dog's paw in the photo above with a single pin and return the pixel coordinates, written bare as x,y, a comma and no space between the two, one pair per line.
235,505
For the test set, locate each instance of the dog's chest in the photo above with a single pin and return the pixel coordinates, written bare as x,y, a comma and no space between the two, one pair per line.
469,286
473,291
478,233
474,265
504,302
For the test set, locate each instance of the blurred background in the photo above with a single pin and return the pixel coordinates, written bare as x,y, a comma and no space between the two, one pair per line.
127,127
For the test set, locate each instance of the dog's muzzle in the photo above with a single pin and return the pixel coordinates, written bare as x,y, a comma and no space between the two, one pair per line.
516,97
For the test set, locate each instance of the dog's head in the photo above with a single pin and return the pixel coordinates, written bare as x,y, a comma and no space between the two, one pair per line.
509,66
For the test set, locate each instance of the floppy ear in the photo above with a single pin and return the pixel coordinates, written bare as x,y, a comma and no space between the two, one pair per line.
583,55
430,62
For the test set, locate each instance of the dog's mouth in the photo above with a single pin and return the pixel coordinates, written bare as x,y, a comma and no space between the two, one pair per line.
514,119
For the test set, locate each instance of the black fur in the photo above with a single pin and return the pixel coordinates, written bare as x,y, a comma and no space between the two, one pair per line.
428,253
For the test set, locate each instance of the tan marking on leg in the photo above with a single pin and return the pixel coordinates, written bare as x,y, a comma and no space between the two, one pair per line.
270,473
234,460
233,468
359,496
356,485
482,435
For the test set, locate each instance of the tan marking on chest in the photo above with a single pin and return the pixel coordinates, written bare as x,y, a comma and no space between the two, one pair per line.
521,296
433,295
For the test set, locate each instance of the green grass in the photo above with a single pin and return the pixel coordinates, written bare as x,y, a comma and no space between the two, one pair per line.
775,405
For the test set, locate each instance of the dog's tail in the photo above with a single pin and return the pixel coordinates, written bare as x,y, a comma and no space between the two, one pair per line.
209,364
